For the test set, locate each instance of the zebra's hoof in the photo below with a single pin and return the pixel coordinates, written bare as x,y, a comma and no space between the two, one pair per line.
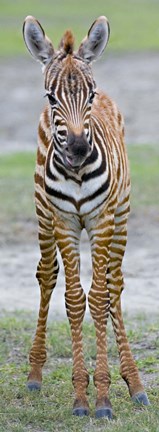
80,412
141,398
34,385
80,408
103,408
104,412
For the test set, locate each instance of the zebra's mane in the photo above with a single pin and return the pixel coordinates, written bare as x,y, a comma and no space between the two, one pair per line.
67,43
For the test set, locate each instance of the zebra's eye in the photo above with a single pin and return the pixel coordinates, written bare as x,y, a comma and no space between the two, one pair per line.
52,99
91,97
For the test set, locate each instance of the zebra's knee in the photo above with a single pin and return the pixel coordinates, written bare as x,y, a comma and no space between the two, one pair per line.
47,272
99,304
75,302
115,283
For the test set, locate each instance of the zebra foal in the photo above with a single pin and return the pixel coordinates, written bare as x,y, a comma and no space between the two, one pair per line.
81,181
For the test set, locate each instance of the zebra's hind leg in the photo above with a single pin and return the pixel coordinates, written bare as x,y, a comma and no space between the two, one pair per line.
47,275
115,283
128,368
75,300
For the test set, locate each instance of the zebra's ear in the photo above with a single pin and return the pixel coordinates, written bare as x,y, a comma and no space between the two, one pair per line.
94,43
36,41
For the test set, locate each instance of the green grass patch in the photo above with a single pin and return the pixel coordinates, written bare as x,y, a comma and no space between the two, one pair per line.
17,187
51,409
144,167
134,23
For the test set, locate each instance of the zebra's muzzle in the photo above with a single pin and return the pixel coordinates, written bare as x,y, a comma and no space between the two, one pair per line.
76,150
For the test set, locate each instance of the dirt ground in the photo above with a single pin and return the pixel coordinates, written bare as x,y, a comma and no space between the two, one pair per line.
132,80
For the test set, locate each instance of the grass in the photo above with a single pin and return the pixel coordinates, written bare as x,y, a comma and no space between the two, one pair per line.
144,175
17,183
51,409
134,23
17,187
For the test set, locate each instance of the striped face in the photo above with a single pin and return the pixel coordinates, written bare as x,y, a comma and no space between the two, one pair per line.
69,86
70,89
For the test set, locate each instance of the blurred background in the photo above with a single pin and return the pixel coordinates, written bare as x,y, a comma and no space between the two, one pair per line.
128,72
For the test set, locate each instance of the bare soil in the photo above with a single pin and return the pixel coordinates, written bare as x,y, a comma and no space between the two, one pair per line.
132,80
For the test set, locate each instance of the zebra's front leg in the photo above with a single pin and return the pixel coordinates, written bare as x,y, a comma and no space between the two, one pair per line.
47,272
99,304
75,300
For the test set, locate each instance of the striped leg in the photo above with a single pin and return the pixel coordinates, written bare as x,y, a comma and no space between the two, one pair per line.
75,300
99,303
115,283
47,271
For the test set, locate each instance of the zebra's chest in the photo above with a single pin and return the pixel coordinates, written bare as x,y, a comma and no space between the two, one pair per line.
76,197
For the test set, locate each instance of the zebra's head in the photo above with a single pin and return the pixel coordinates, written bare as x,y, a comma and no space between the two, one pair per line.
69,85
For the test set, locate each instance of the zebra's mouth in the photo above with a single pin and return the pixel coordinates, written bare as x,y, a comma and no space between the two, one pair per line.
72,162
